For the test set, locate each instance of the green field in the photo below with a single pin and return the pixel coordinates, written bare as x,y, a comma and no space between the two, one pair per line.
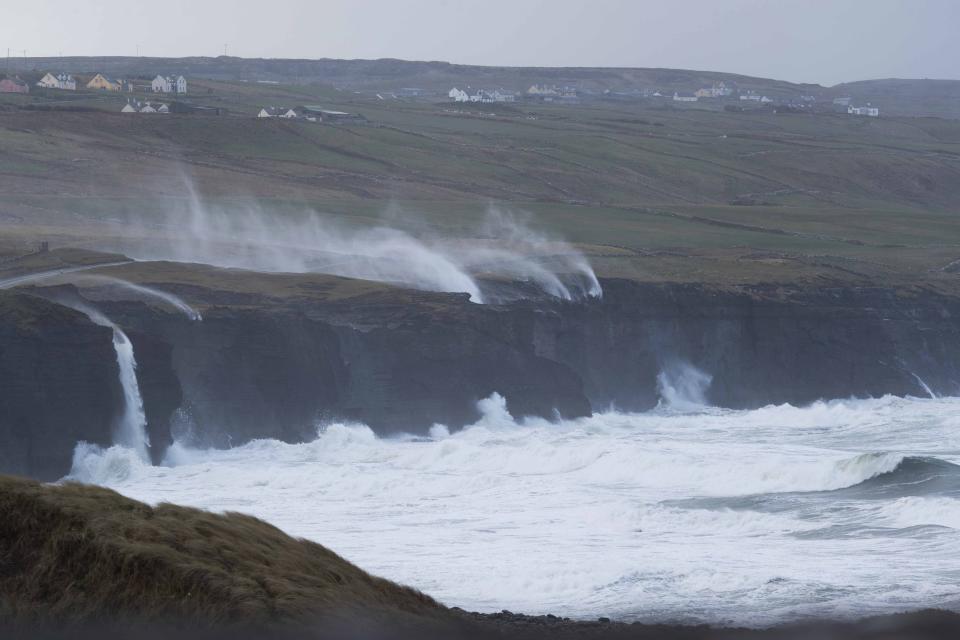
650,192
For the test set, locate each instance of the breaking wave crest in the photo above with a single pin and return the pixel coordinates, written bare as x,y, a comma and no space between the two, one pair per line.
718,516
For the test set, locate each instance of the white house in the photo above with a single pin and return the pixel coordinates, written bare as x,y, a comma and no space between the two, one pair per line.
147,108
458,95
872,112
128,108
289,114
543,90
268,112
684,97
60,81
718,90
169,84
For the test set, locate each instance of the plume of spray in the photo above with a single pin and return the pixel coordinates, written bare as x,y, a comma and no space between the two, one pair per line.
683,387
243,235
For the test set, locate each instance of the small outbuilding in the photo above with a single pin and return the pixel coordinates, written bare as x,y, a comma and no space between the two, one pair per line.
13,85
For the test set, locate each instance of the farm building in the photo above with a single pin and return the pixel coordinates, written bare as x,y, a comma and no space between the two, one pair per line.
169,84
135,106
63,81
105,83
13,85
331,117
871,112
458,95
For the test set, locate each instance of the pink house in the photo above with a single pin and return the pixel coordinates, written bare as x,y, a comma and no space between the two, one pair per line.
14,85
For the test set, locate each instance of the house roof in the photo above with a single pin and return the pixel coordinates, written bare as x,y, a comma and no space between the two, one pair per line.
105,77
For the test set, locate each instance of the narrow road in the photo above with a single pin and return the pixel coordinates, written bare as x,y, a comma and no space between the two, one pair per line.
31,277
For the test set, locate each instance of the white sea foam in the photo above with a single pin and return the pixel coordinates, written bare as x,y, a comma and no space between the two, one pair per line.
717,516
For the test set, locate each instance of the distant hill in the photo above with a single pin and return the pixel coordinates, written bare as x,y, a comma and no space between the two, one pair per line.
390,73
906,97
895,97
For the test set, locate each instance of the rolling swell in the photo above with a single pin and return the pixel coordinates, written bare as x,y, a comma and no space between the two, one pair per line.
914,476
886,478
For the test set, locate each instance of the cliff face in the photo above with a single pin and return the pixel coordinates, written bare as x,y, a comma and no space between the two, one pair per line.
268,372
58,385
269,367
761,345
276,370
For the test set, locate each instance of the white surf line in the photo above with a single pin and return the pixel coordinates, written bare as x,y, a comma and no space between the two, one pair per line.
42,275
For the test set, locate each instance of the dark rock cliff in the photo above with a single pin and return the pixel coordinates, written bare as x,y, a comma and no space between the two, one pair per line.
269,366
762,345
58,385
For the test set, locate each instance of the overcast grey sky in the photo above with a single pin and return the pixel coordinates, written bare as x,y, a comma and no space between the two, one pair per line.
824,41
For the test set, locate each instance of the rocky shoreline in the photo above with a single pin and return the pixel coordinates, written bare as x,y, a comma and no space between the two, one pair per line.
278,354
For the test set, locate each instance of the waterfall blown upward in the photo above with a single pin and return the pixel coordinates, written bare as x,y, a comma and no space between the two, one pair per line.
500,247
131,430
169,298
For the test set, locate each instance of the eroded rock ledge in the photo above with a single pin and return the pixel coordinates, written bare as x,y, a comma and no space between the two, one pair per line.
276,354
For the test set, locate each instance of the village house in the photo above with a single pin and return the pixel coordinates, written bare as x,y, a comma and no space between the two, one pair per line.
684,97
135,106
718,90
871,112
482,95
105,83
14,85
756,97
541,91
169,84
60,81
458,95
290,114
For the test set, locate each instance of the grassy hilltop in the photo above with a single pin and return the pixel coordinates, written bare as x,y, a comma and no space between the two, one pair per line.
80,555
649,190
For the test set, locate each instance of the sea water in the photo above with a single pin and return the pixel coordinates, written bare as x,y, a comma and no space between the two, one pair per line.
841,509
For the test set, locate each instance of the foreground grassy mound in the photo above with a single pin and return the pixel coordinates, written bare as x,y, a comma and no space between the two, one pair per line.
80,555
84,562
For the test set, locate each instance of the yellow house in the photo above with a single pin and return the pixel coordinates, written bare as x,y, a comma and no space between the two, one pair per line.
101,81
